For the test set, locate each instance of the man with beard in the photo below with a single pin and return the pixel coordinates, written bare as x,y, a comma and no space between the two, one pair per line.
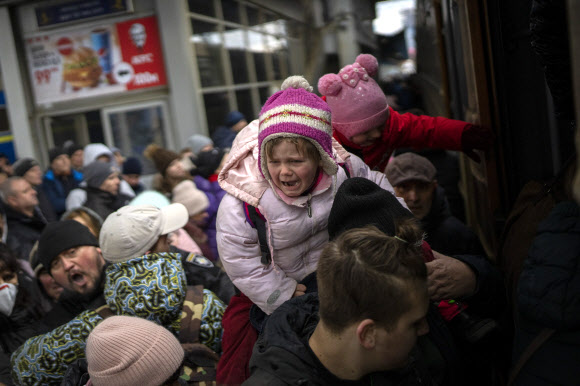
72,256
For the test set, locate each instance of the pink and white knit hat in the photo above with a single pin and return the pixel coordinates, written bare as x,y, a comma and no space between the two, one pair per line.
296,112
357,102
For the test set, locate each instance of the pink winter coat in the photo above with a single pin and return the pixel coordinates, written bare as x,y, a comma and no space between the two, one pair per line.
295,239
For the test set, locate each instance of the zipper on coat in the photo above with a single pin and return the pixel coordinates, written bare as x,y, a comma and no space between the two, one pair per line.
308,206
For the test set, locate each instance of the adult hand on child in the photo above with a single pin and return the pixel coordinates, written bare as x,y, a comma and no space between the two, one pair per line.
476,138
300,290
449,278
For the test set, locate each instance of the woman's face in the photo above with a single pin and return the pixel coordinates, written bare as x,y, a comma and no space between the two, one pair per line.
111,184
7,276
175,170
51,287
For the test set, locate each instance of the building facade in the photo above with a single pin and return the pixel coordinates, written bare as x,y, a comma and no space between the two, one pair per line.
132,72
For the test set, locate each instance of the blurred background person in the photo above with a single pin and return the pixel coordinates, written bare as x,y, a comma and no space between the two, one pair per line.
224,135
29,169
59,180
132,170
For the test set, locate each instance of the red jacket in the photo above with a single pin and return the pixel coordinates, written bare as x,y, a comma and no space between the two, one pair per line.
408,130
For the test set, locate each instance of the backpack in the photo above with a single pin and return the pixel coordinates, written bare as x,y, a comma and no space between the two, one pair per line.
200,362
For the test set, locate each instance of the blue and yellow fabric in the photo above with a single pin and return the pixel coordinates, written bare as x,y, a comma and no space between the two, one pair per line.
152,287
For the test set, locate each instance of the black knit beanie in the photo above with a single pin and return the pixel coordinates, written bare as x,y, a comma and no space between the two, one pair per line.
55,152
23,165
360,202
207,162
60,236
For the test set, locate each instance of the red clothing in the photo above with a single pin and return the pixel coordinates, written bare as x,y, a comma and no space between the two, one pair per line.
408,130
238,342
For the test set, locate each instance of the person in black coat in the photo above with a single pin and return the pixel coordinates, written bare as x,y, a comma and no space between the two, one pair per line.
348,333
20,308
548,300
24,219
103,181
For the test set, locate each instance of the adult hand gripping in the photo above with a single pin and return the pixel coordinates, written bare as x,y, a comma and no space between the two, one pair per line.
449,278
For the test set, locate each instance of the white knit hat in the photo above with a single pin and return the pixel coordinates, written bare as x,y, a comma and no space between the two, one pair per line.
127,351
191,197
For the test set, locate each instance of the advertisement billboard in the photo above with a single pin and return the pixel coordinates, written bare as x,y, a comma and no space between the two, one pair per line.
86,62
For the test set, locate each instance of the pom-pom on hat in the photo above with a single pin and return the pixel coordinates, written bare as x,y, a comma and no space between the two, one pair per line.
357,102
296,112
131,351
162,158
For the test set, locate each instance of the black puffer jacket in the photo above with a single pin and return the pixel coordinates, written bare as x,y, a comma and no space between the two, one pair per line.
282,355
549,297
104,203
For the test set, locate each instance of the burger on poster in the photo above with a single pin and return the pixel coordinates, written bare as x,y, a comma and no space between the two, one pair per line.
81,68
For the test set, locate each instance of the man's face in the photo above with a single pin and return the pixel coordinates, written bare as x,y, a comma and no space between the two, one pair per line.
76,159
393,346
132,179
24,196
34,175
79,269
61,165
418,196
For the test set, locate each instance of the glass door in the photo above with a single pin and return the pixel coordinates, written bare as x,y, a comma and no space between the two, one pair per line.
132,127
81,128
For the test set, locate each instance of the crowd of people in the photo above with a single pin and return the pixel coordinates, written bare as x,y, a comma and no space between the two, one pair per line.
294,249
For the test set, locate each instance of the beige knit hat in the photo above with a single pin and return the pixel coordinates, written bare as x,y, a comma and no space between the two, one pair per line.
126,351
191,197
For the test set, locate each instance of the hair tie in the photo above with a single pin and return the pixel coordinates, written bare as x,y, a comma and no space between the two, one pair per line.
400,239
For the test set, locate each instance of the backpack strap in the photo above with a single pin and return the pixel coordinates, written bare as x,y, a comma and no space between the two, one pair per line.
200,361
534,345
345,168
105,312
258,221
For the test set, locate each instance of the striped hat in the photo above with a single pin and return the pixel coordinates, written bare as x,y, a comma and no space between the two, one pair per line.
296,112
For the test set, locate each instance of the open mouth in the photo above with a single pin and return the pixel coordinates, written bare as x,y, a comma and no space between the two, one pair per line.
289,184
78,278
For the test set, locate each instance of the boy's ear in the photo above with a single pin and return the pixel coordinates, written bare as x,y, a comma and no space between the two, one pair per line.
366,333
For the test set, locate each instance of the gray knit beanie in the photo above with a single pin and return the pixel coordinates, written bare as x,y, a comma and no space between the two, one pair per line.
95,173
